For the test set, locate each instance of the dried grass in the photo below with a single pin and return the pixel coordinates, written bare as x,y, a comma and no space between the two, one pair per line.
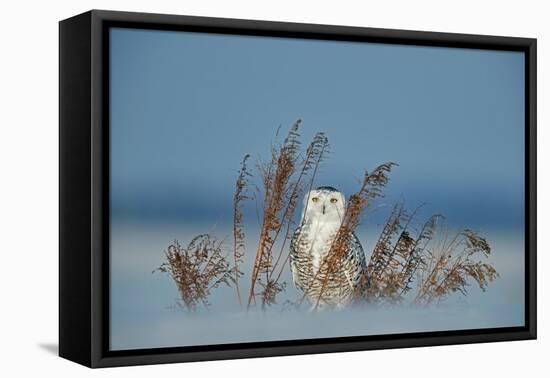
400,258
450,267
397,256
197,269
241,194
284,179
408,264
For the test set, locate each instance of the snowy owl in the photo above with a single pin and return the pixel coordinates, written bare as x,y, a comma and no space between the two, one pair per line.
322,215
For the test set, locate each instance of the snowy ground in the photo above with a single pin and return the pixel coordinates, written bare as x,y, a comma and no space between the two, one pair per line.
142,314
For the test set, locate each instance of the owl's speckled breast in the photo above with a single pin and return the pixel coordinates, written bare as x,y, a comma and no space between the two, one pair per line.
319,236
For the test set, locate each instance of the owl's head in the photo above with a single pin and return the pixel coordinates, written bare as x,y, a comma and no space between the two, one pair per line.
324,203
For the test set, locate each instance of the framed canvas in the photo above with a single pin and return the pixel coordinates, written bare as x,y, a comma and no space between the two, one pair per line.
235,188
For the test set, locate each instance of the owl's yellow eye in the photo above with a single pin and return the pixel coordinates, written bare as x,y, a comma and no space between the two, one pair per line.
315,199
333,200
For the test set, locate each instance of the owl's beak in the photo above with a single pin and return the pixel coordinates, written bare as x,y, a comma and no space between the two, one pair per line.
323,209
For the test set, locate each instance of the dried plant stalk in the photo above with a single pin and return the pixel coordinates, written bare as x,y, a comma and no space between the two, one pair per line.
393,265
197,269
276,177
238,229
381,255
448,271
416,254
399,258
315,153
284,178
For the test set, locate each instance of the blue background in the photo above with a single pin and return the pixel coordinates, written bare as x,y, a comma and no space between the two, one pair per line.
186,107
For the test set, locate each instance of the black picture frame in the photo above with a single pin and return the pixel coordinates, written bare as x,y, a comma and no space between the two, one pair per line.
84,193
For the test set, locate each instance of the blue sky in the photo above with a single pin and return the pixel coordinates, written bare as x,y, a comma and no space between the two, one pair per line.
185,107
